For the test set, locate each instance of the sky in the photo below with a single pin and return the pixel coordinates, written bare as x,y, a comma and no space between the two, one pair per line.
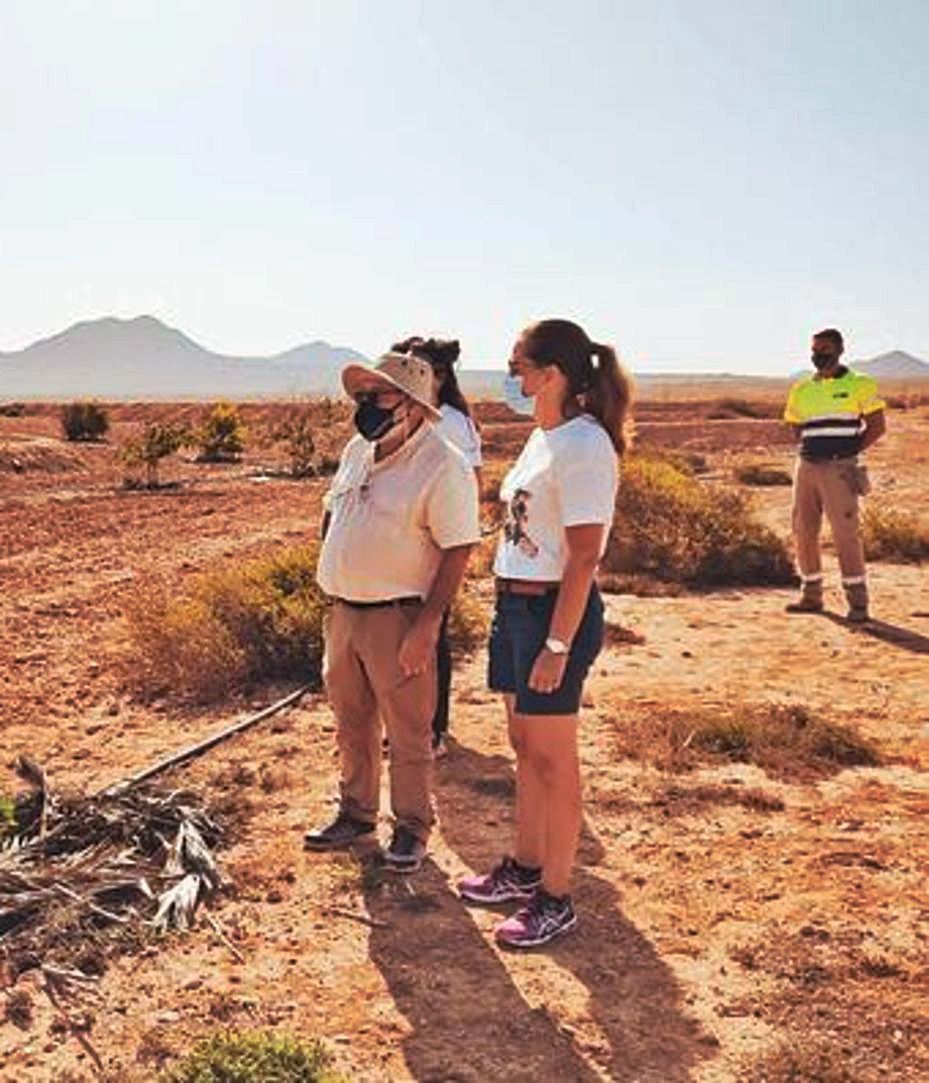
700,182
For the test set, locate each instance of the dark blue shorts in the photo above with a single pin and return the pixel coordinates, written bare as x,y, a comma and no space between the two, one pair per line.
517,636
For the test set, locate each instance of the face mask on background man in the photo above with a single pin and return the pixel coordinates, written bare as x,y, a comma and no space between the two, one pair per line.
821,360
515,399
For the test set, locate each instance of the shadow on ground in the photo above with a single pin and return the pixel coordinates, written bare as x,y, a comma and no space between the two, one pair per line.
470,1021
894,634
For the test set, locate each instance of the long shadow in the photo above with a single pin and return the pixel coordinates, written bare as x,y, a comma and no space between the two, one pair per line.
905,638
634,998
470,1024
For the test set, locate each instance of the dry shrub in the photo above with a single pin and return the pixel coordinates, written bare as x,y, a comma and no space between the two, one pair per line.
781,739
492,475
481,564
251,621
893,535
670,526
235,1057
762,474
84,420
221,436
468,623
729,407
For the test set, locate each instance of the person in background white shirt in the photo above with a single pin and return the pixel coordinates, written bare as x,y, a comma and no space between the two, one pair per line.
457,426
548,625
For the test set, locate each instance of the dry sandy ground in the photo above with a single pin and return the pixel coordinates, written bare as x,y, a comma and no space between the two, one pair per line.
711,930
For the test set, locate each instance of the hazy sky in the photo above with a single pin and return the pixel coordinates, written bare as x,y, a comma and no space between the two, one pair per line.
702,182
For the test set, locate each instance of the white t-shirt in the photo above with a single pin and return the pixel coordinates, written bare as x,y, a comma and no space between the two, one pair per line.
566,476
461,432
390,520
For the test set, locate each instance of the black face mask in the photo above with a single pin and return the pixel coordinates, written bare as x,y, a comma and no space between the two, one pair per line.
373,421
822,360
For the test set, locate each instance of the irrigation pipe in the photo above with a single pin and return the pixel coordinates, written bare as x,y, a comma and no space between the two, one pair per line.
124,785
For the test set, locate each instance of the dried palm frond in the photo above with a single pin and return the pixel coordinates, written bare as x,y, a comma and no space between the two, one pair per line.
79,866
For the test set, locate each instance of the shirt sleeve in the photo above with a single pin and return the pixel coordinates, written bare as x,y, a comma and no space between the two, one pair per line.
792,409
452,508
869,402
586,482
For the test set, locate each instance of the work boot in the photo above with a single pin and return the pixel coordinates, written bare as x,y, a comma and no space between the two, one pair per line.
857,596
810,600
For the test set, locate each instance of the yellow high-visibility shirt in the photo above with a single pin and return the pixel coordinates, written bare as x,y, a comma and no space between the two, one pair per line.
829,411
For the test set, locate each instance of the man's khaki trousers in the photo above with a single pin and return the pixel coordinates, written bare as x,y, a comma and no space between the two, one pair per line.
364,684
832,486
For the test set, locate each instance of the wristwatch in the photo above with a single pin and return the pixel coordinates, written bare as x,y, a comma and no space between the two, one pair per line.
556,646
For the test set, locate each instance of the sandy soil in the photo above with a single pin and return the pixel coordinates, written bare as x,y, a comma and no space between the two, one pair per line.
711,930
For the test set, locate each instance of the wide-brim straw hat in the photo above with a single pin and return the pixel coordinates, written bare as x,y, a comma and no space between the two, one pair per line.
397,371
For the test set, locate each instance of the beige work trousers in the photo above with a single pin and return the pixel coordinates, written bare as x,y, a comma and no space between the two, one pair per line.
833,486
365,685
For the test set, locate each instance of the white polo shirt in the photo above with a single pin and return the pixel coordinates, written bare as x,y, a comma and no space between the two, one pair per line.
390,520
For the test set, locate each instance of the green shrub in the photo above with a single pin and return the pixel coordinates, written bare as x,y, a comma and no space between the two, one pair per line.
671,526
84,420
762,474
233,1057
155,442
893,535
248,622
221,436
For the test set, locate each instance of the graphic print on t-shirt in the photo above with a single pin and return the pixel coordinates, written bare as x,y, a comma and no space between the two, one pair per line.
517,519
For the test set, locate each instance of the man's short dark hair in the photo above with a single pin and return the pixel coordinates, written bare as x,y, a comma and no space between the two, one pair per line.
833,336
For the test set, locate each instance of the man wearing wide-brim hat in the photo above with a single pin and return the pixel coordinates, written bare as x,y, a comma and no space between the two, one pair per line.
401,518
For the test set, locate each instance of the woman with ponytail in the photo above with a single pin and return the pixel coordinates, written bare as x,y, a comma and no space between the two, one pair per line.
548,625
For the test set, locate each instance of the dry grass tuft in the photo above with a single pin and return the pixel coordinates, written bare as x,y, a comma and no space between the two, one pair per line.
893,535
762,474
248,622
801,1059
670,526
786,741
468,624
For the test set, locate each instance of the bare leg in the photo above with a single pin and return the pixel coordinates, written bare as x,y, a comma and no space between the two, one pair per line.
530,794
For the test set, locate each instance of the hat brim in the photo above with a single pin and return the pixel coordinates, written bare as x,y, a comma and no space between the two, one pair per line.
360,378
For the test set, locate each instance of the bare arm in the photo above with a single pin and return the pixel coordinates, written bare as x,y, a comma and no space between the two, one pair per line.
584,544
875,425
419,644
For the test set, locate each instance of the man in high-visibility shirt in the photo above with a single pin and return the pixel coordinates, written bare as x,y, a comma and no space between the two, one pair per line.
836,413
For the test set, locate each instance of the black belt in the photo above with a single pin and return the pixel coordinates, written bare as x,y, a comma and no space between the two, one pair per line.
380,605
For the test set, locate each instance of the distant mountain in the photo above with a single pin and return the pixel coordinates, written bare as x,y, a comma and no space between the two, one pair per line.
895,365
144,358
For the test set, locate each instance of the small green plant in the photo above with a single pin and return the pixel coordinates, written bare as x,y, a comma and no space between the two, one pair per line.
234,1057
221,436
893,535
7,815
247,622
156,442
296,432
84,420
762,474
671,526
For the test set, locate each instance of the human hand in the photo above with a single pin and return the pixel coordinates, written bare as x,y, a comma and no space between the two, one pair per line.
547,671
418,647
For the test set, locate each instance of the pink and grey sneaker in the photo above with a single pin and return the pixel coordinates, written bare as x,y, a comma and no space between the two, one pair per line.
509,880
542,919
